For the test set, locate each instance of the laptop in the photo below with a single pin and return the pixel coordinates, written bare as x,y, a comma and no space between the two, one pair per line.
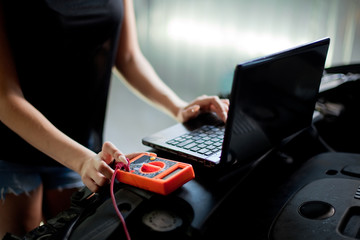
272,98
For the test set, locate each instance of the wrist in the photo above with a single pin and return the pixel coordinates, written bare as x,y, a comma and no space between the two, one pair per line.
81,162
177,110
77,157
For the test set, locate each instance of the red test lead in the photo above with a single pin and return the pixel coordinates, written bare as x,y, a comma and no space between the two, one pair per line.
119,166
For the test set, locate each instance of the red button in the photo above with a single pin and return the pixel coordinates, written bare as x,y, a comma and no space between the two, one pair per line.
152,167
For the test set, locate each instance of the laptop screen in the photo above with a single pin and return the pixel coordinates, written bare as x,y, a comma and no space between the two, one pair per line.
272,98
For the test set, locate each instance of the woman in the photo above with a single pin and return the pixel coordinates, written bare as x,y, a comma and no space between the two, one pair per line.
56,59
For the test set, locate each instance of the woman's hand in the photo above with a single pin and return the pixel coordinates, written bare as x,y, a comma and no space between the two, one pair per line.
204,104
96,171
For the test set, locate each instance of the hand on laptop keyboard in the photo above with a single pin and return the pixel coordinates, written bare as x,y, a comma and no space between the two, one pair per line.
204,104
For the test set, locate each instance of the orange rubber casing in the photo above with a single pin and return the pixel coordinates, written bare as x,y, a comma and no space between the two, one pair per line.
159,175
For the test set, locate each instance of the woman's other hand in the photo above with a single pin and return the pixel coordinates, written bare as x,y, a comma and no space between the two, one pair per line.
204,104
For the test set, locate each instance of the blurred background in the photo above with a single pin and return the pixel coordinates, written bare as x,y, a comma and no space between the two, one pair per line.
194,45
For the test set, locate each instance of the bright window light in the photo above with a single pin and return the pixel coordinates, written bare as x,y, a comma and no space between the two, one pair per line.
213,35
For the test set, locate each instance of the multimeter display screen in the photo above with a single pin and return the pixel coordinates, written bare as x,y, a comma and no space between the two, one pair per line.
149,168
172,173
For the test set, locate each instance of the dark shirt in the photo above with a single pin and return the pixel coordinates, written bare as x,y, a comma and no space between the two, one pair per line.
64,51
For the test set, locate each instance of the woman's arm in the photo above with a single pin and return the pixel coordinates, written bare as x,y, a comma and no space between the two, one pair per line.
141,76
25,120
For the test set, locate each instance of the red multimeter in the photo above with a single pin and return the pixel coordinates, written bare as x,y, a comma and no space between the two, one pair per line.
159,175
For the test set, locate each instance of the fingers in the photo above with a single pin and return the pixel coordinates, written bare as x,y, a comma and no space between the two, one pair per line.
221,108
206,103
190,112
110,152
96,172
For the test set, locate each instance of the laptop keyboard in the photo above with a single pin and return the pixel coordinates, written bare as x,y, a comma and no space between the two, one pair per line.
206,140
